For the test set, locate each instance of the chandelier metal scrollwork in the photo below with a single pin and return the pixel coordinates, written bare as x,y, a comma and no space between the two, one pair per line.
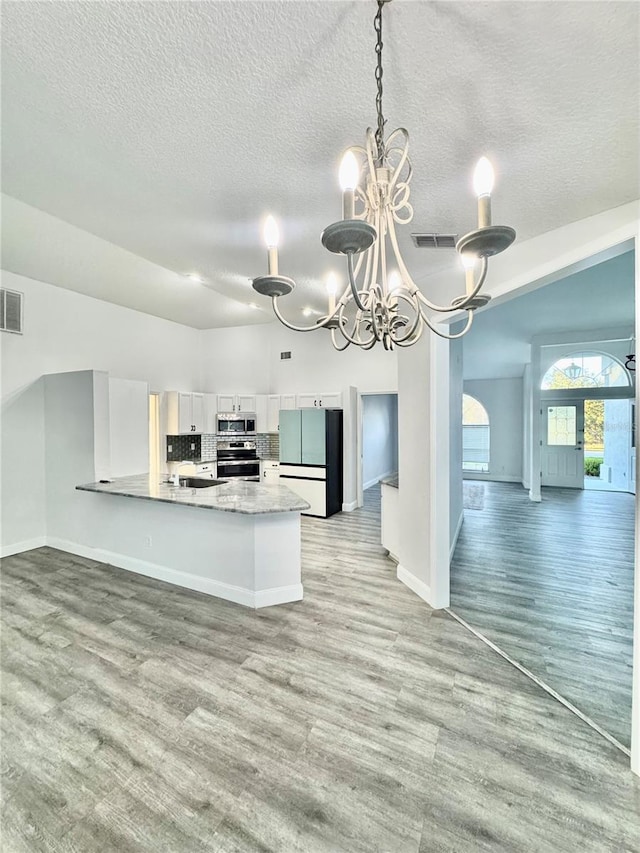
380,304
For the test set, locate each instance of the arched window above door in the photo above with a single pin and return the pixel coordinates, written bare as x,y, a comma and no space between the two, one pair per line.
585,370
475,435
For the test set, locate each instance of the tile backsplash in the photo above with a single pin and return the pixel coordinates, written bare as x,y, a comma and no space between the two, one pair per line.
183,447
267,446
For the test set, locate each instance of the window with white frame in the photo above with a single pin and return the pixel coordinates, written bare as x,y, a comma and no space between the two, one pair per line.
475,435
585,370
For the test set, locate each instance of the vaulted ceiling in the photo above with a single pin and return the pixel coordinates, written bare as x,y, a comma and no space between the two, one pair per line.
170,129
599,297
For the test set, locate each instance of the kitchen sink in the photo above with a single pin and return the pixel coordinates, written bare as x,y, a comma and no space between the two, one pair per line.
200,482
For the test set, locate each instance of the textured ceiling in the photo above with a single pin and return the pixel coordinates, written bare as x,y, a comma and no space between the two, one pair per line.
170,129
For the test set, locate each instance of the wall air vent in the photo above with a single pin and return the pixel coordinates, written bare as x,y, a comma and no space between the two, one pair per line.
435,241
284,355
11,311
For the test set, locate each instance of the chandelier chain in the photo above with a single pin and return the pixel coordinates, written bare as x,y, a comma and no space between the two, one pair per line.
377,26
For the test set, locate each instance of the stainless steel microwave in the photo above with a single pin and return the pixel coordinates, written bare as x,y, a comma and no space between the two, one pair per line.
232,424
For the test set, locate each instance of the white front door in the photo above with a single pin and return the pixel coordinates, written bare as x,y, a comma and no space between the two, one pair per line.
563,444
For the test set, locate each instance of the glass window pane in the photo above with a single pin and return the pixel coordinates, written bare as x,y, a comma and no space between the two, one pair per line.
585,370
475,435
561,425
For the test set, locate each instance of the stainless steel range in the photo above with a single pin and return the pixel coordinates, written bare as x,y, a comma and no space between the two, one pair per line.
238,460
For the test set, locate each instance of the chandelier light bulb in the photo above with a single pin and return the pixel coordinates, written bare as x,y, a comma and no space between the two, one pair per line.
332,289
271,233
349,172
271,238
483,184
349,177
395,281
483,178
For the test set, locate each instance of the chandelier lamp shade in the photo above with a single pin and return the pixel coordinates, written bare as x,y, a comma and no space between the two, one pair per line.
380,302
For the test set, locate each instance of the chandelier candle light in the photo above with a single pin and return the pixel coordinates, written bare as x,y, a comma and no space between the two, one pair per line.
382,304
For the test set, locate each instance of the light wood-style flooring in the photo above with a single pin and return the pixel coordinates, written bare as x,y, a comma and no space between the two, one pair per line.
551,584
141,717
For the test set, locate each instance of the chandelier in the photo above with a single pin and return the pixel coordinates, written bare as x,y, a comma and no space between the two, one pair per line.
381,302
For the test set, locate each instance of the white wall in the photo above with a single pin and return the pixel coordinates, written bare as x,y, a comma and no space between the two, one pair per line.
379,437
248,359
455,440
66,331
128,427
527,415
424,470
502,398
73,447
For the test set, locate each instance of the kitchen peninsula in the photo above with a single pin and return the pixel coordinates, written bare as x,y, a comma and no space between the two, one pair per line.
237,540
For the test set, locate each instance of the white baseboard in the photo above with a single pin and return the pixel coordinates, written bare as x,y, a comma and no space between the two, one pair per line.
491,478
349,507
237,594
455,535
25,545
279,595
415,584
376,480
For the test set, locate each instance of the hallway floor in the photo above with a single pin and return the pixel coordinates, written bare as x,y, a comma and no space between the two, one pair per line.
551,584
138,716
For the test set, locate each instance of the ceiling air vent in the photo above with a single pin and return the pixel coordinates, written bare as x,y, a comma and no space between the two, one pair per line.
11,311
435,241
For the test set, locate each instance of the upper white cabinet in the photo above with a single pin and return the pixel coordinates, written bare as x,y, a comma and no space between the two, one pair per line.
330,400
185,412
229,403
288,401
275,402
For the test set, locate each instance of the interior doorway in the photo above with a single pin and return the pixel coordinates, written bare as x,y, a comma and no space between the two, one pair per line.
377,439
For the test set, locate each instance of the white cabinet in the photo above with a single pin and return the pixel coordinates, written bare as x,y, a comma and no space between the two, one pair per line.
268,410
329,400
288,401
204,471
185,413
229,403
270,472
390,520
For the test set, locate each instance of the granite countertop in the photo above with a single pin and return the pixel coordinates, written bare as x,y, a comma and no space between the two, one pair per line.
390,481
234,496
